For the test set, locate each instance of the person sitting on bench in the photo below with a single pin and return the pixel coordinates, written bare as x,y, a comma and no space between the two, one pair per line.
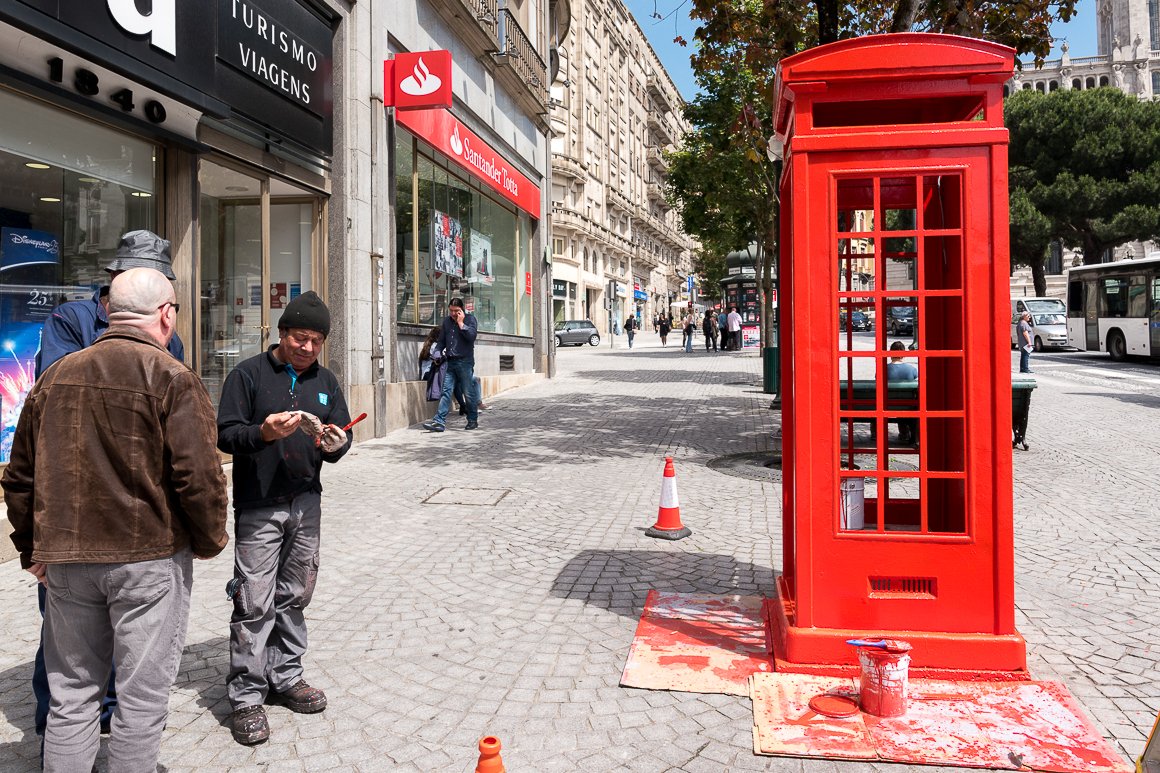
897,370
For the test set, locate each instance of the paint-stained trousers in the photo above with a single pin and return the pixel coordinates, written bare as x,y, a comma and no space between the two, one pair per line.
133,615
276,562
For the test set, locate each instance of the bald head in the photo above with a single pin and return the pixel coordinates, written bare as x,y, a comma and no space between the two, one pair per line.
143,298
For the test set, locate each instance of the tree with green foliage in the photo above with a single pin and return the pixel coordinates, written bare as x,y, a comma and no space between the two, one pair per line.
1084,169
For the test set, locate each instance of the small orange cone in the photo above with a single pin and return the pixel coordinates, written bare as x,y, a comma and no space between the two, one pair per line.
489,760
668,525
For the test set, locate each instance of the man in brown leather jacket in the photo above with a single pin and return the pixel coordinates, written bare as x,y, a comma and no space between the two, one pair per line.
113,487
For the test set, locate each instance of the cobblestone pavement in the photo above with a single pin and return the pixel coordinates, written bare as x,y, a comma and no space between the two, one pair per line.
511,613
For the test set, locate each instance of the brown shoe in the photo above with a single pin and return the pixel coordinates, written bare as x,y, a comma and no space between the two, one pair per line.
300,698
249,725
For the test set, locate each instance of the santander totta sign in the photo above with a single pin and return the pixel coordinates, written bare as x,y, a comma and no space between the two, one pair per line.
451,137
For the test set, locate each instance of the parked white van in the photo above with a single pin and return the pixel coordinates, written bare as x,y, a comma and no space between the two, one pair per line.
1048,322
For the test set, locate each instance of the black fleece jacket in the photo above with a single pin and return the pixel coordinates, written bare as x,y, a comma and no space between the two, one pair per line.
267,474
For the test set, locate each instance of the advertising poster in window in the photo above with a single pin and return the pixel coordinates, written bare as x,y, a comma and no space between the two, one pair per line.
448,245
481,267
29,290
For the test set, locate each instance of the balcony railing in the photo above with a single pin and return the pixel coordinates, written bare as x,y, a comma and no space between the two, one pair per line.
517,53
657,123
656,191
618,200
474,20
657,90
656,157
569,167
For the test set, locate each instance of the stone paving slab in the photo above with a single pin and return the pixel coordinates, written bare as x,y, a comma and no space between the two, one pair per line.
435,623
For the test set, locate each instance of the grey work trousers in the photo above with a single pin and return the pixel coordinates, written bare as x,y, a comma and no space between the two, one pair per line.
133,616
276,563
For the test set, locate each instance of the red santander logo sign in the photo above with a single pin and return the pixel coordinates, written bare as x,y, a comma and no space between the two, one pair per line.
417,80
444,131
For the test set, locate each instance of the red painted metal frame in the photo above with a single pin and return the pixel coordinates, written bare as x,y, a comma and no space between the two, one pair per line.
918,111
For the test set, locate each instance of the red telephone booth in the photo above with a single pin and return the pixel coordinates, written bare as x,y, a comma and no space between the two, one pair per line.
896,399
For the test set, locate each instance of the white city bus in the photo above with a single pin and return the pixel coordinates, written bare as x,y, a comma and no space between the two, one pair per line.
1115,308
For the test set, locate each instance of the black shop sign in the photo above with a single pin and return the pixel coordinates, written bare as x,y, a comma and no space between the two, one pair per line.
265,62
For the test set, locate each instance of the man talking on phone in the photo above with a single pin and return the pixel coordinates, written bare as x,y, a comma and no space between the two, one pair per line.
457,340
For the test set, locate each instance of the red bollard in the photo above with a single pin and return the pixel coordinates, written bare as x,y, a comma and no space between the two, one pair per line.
489,759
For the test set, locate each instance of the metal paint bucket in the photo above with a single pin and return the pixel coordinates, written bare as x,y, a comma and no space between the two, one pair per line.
884,681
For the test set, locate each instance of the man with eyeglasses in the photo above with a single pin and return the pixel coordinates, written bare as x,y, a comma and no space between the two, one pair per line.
71,327
113,487
281,416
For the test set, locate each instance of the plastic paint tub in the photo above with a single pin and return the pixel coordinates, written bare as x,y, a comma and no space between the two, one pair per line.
884,681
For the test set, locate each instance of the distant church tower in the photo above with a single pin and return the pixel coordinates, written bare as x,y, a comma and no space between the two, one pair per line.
1128,42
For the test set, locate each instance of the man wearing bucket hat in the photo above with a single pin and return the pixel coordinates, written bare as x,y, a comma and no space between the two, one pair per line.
76,325
71,327
281,416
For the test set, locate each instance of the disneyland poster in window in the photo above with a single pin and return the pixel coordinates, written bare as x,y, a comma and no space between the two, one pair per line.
481,266
29,290
448,245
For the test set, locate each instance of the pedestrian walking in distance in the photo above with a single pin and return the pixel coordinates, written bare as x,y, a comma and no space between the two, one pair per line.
281,416
630,326
734,320
113,487
723,328
664,326
689,325
457,342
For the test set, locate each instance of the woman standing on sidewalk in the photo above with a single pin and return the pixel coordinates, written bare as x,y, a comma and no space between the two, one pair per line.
709,328
689,325
664,326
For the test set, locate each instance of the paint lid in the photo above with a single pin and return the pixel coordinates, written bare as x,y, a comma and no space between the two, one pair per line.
829,705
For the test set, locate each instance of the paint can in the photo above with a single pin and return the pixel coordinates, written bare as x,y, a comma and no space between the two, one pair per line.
884,681
853,503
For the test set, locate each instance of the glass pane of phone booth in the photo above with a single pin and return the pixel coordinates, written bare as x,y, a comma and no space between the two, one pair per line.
900,320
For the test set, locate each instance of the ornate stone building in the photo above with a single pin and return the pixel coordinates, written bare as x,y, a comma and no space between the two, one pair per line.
1128,44
617,245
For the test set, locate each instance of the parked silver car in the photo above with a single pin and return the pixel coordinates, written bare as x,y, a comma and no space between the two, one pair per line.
576,331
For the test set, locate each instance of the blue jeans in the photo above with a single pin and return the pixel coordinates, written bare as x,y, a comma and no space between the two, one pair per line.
1024,360
459,375
40,680
631,335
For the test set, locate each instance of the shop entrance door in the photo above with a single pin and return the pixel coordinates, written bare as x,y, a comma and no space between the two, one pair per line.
259,240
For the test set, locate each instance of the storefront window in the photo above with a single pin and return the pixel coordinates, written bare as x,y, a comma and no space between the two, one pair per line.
249,270
468,245
68,189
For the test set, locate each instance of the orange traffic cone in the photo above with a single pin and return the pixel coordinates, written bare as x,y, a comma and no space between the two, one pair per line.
489,760
668,525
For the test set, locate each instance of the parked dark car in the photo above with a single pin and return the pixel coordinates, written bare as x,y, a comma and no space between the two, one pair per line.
576,331
900,320
858,321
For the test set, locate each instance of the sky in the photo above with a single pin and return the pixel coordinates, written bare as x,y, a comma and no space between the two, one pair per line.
1080,34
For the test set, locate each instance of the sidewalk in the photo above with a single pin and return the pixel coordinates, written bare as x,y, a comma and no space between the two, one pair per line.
435,623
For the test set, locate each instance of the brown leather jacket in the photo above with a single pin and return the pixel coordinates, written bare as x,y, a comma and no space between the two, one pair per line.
114,459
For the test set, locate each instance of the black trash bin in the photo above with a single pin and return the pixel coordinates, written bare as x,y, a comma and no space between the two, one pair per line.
1021,389
770,365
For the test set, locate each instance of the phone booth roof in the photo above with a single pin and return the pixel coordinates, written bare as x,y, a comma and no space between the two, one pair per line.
888,80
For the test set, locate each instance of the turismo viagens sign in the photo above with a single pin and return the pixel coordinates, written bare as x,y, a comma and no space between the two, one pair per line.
262,47
451,137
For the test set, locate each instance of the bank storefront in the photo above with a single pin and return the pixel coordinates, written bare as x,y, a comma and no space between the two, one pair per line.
465,216
209,123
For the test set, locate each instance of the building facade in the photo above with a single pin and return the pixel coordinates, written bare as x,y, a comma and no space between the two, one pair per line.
1128,45
617,246
256,138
